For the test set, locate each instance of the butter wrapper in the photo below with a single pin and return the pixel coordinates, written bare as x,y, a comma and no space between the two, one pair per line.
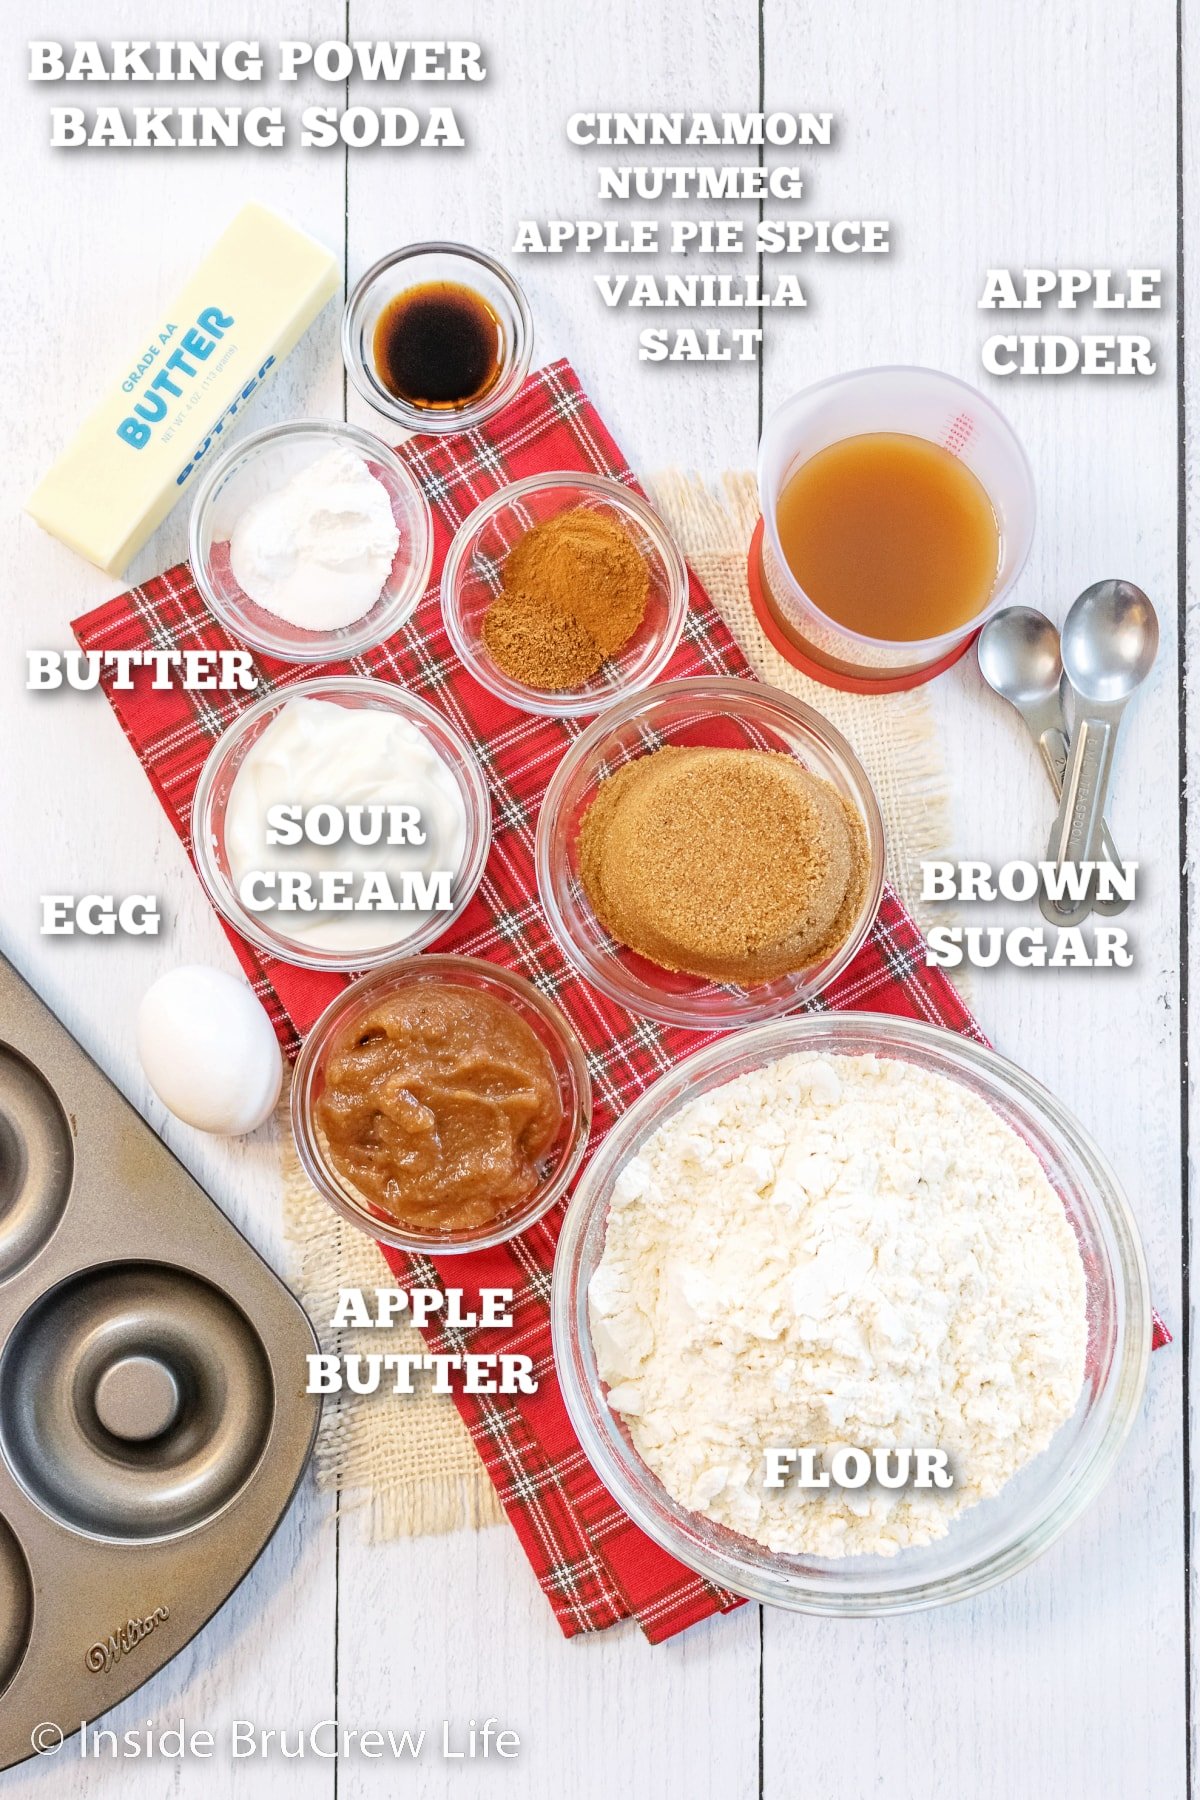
253,297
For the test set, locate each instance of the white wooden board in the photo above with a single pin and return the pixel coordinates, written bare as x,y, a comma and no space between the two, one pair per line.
1009,134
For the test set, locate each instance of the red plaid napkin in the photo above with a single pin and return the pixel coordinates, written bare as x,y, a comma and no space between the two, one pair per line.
593,1563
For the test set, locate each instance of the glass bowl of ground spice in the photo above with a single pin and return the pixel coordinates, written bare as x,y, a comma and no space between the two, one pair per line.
710,853
564,592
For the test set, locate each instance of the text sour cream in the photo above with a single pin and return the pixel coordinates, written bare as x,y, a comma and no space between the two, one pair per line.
320,754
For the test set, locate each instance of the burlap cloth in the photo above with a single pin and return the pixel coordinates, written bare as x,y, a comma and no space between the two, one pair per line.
410,1460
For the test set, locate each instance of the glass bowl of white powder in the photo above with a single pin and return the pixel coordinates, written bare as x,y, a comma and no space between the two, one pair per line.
850,1231
311,541
339,823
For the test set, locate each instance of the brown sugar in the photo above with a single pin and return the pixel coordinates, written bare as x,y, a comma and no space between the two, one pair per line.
573,592
733,865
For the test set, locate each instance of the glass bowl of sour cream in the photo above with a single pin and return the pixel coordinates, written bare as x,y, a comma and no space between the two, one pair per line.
311,541
340,823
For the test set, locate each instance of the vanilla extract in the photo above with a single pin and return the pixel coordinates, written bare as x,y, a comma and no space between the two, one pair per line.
438,346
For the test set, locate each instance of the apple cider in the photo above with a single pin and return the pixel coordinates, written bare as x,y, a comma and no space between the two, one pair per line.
890,536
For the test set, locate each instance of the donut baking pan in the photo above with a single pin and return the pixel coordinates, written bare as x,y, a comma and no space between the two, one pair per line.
153,1420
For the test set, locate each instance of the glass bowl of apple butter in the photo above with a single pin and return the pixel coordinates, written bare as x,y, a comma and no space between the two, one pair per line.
441,1104
437,336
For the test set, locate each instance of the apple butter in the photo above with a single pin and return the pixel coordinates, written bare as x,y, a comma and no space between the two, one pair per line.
439,1104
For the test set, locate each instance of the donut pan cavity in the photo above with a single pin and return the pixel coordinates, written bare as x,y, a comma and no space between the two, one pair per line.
153,1419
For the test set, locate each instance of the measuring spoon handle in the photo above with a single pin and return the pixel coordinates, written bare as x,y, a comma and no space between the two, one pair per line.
1075,836
1052,744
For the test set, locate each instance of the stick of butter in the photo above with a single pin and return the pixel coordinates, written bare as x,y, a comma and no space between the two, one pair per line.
259,289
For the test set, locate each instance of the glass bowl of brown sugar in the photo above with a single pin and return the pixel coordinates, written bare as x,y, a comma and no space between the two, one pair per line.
564,593
441,1104
710,854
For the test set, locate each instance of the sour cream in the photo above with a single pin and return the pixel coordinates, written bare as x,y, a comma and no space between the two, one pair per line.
318,759
317,550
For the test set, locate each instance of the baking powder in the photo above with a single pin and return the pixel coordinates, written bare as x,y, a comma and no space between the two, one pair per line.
317,550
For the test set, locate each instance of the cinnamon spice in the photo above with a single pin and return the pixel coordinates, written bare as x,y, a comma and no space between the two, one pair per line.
573,592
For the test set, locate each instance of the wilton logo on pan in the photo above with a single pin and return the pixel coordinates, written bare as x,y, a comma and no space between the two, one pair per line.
105,1653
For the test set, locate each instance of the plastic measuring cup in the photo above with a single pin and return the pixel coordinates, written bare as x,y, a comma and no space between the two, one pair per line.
922,403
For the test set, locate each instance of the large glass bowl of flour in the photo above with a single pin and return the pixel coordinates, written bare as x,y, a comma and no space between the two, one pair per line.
988,1541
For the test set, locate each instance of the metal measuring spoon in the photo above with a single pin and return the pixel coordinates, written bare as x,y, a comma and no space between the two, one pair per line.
1021,660
1109,643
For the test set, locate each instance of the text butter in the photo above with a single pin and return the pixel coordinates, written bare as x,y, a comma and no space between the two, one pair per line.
251,300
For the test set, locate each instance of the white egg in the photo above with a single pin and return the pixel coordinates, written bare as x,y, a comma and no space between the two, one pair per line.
209,1050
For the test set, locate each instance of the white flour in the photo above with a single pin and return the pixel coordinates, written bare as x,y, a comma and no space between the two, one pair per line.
837,1251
